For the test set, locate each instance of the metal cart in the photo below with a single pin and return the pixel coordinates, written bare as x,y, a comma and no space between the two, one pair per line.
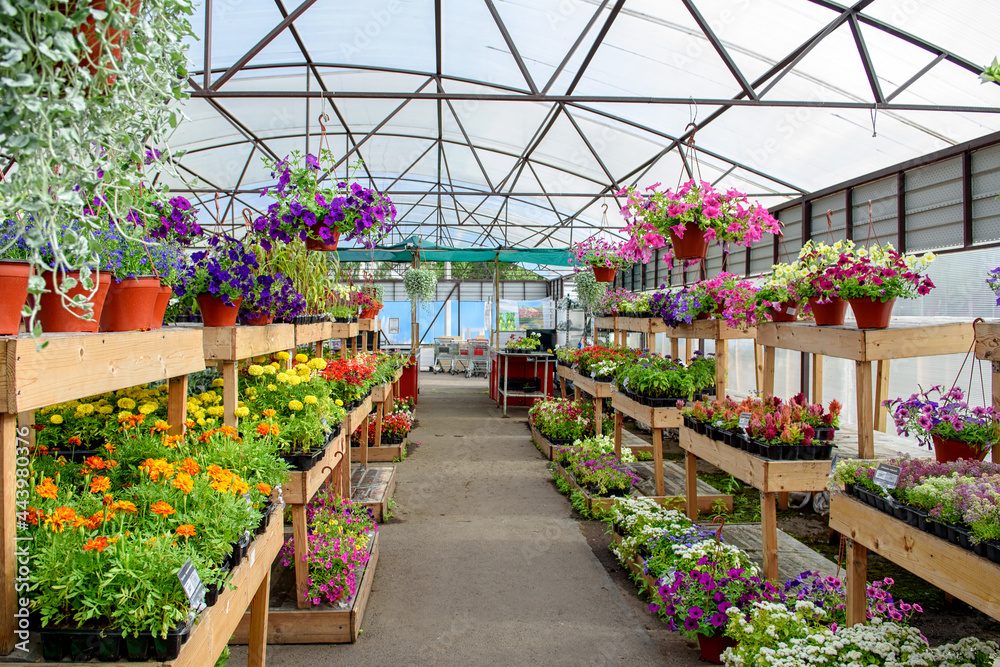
446,354
478,361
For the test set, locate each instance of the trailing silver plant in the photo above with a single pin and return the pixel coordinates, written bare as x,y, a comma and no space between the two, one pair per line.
421,286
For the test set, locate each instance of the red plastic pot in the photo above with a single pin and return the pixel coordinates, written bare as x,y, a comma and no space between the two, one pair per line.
693,245
712,647
369,313
603,274
160,308
260,321
91,58
871,313
13,295
946,450
829,314
315,244
215,313
130,303
55,318
786,311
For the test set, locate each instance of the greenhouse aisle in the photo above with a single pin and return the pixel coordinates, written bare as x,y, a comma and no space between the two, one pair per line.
482,562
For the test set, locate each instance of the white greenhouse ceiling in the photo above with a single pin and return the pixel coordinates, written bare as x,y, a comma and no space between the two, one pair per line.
512,122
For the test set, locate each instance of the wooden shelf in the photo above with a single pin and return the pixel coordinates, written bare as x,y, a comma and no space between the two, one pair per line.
313,333
699,329
345,330
380,454
382,393
658,418
368,324
78,365
243,342
955,570
589,386
705,503
303,485
358,416
317,625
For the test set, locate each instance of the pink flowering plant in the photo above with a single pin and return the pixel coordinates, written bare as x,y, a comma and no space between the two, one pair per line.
562,419
727,216
339,545
946,414
993,280
599,252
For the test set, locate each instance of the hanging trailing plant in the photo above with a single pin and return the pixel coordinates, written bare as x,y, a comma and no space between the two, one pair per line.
421,285
588,290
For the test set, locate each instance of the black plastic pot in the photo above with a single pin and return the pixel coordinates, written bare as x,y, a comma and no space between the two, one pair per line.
901,513
824,452
304,461
392,441
806,452
753,447
940,529
993,551
661,402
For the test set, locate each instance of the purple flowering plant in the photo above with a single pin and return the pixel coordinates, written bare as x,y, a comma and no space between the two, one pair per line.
993,280
682,306
171,220
309,207
946,414
272,295
226,269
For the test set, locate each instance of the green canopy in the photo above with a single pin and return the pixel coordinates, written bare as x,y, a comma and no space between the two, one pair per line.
403,252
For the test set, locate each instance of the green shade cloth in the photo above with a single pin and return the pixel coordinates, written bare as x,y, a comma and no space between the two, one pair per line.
431,252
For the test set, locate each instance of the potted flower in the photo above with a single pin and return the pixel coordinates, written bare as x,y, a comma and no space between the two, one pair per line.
817,264
682,306
368,305
690,218
876,277
271,296
993,280
777,298
945,420
218,279
15,271
604,257
318,211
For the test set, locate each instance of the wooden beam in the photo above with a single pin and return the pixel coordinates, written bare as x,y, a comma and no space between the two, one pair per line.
866,418
881,394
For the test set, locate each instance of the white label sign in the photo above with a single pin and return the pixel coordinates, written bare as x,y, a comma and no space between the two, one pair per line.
887,476
744,419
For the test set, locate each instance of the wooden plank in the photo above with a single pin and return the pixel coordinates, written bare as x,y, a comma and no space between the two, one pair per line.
652,417
382,393
322,624
605,323
969,577
881,394
243,342
866,418
368,324
691,484
302,485
8,531
769,532
988,340
907,338
817,379
177,390
376,489
590,386
842,342
300,543
257,650
344,330
383,454
857,583
721,366
230,391
90,364
768,371
658,460
311,333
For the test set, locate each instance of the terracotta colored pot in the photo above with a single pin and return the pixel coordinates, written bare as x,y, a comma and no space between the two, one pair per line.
787,311
946,450
91,58
829,314
712,647
872,313
704,315
693,245
369,313
260,321
54,317
603,274
13,295
215,313
160,308
130,304
314,244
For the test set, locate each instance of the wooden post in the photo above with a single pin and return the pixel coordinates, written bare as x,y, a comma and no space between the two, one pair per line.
379,416
301,545
675,348
881,394
343,348
364,442
769,528
257,648
345,469
758,362
319,349
658,461
768,379
562,385
576,392
721,367
995,454
618,435
8,531
857,584
496,300
866,437
691,485
598,415
27,420
817,378
177,389
230,387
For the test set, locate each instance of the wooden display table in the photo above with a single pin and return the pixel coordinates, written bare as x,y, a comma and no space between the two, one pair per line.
656,418
73,366
382,397
587,385
767,476
230,345
715,330
318,333
988,349
951,568
906,338
370,327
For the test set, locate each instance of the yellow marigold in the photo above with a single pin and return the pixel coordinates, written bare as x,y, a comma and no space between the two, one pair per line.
218,382
201,421
318,363
56,419
274,366
105,410
148,408
304,373
294,405
85,409
255,371
272,387
126,403
241,412
283,356
183,482
216,411
282,377
200,414
294,380
124,416
301,358
339,402
299,367
269,412
309,399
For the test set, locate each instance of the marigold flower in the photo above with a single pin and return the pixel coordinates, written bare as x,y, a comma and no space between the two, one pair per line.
255,371
109,448
160,426
295,405
157,468
185,530
85,409
274,429
272,387
269,412
60,517
216,411
263,429
47,489
74,441
310,400
239,486
301,358
126,403
97,544
218,382
294,380
281,377
124,506
264,488
148,408
189,423
183,482
171,441
105,410
100,484
56,419
283,356
241,412
95,463
162,508
189,466
339,402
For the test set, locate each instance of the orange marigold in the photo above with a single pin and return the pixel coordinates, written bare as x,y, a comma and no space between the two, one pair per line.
239,486
160,426
186,530
74,441
95,520
95,463
183,482
100,484
157,468
97,544
162,508
60,517
124,506
274,429
189,423
109,448
264,488
189,466
270,412
263,429
47,489
171,441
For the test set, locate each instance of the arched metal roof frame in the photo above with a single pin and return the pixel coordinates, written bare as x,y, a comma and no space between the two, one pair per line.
208,84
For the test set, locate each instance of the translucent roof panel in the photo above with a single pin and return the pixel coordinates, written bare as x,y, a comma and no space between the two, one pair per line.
513,122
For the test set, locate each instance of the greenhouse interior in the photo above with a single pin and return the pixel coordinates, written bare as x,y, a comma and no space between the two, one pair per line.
563,332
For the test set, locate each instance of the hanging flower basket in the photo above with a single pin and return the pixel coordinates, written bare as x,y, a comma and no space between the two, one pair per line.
947,450
831,313
116,38
315,241
604,274
872,313
692,245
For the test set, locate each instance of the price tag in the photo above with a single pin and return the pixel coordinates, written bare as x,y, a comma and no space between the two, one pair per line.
744,419
191,583
887,476
792,310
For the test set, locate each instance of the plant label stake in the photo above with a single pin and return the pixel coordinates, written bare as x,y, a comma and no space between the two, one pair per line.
833,464
744,420
887,476
191,583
